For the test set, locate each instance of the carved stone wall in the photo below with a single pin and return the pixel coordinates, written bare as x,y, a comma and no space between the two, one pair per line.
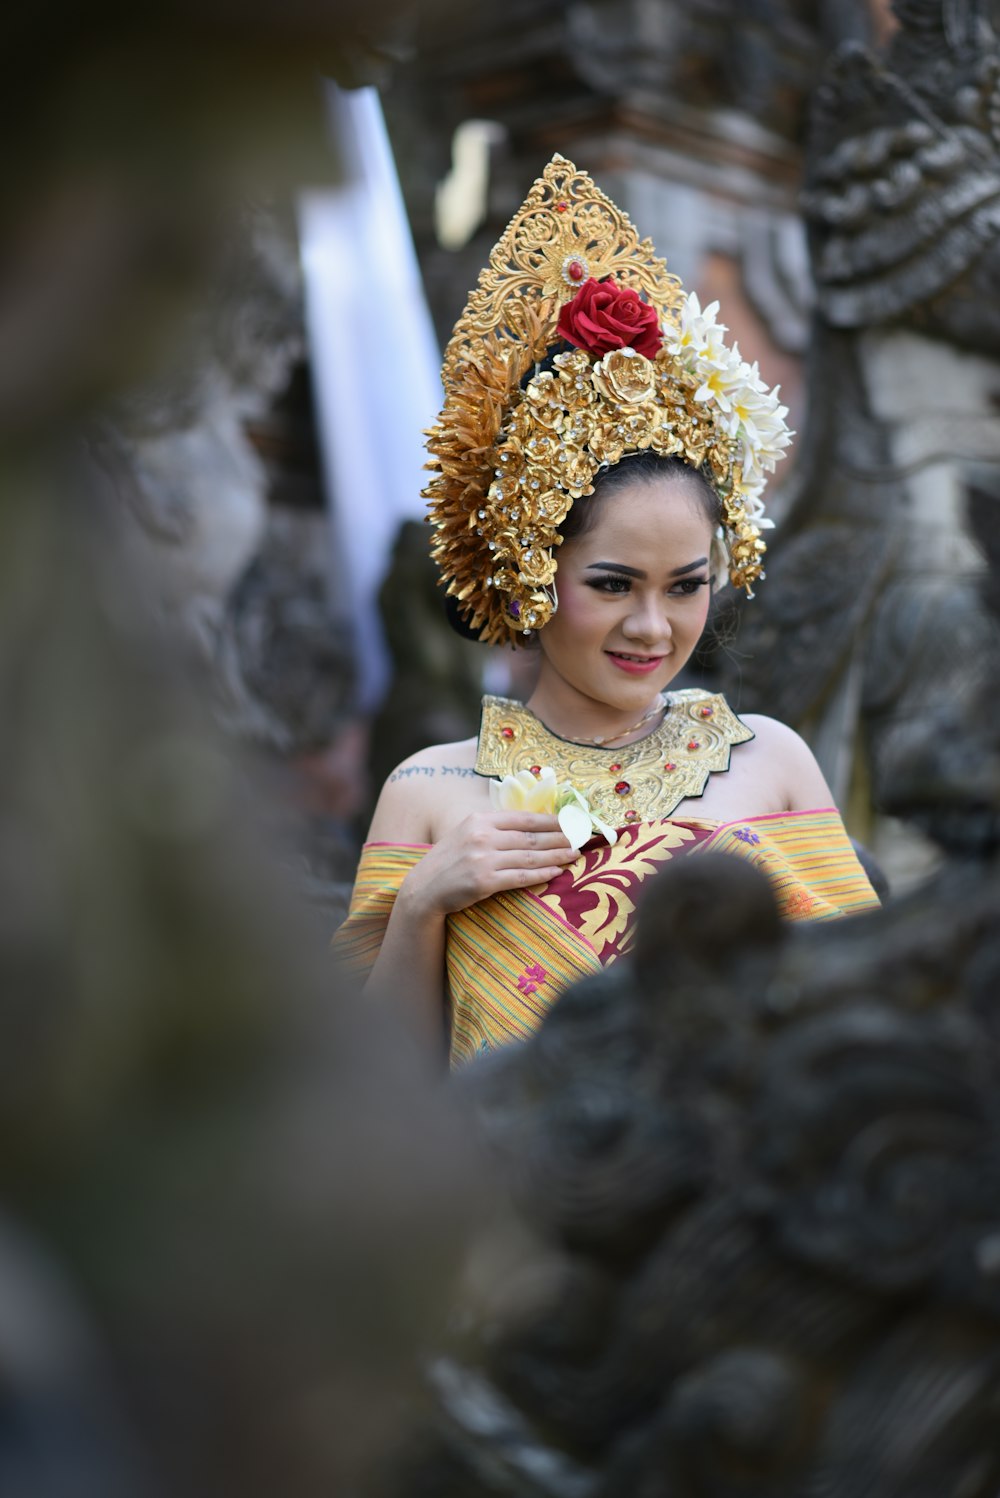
870,612
691,116
237,572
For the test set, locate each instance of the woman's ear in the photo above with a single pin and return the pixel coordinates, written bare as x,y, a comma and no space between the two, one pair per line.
718,561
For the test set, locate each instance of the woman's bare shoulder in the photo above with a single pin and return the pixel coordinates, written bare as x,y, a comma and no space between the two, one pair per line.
803,786
437,757
774,733
409,805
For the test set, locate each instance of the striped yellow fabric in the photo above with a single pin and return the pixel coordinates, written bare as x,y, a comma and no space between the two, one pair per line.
509,957
382,869
808,857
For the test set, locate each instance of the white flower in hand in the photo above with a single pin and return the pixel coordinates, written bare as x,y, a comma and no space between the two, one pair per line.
576,819
542,793
526,792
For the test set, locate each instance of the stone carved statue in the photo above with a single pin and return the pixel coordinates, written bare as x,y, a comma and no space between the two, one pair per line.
244,583
871,609
761,1167
192,490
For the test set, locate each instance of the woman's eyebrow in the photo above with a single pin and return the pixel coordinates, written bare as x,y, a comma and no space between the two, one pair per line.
615,567
637,572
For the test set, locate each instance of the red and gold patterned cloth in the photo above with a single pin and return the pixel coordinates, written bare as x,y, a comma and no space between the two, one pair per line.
509,957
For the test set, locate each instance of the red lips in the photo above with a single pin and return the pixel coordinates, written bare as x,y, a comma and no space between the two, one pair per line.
635,667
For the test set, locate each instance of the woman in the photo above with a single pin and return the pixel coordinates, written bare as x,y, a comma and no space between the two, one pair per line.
596,426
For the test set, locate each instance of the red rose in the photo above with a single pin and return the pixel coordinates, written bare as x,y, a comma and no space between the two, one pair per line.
604,316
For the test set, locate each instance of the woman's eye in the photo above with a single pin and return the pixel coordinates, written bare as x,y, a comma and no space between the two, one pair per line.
611,584
686,587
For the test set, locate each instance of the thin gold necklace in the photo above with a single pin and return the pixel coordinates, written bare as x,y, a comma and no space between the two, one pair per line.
659,706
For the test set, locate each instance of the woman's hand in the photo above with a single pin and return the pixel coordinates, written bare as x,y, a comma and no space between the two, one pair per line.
488,852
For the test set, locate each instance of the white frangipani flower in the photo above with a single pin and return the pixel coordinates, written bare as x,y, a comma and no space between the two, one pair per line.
544,794
526,792
696,332
577,820
742,406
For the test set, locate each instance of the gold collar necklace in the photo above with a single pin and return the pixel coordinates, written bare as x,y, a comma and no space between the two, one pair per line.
638,782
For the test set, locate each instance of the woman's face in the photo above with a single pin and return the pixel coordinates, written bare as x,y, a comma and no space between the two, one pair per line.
634,593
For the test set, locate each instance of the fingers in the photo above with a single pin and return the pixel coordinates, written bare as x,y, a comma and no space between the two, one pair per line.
524,821
527,877
537,858
555,839
507,831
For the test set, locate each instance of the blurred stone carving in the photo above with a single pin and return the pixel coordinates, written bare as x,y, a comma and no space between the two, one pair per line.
173,1117
281,679
211,1155
244,582
284,668
871,611
758,59
690,115
192,489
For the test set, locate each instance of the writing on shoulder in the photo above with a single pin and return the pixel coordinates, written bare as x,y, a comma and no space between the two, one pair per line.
428,772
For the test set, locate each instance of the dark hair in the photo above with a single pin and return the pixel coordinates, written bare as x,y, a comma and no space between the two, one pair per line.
644,466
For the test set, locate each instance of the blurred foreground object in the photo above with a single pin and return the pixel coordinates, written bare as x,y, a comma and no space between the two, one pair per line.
230,1206
137,134
211,1156
149,299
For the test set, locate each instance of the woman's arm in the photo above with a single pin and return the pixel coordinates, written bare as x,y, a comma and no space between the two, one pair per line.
486,852
409,969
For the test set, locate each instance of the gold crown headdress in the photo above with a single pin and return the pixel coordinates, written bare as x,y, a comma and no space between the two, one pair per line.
643,366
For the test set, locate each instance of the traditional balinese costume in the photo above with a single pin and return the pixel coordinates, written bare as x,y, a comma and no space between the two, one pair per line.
509,957
577,349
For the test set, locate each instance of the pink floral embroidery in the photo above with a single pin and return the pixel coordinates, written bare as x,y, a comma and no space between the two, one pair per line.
530,979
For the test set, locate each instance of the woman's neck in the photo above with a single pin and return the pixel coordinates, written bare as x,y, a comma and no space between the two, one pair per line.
585,720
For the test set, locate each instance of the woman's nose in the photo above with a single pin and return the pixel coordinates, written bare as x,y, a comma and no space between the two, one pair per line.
647,621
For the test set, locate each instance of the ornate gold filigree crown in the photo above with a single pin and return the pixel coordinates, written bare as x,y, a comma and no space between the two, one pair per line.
634,364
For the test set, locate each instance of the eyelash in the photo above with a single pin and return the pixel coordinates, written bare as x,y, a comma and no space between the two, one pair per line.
619,586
